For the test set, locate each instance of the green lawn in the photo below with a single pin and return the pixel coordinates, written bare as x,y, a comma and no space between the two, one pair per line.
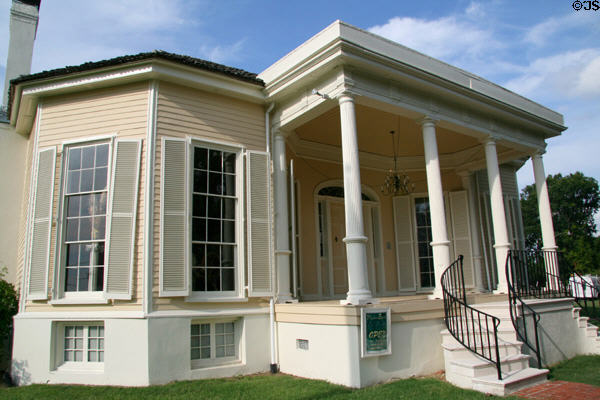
579,369
584,369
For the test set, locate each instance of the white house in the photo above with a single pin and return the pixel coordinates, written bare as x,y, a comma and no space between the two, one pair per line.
170,201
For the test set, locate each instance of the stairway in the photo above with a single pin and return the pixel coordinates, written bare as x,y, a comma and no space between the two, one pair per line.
591,338
468,370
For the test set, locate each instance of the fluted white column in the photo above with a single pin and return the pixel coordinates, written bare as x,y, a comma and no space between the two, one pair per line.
469,186
356,250
548,240
282,228
439,232
501,245
543,198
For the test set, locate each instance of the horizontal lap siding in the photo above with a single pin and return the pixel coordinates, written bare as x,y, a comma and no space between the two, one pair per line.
184,112
120,111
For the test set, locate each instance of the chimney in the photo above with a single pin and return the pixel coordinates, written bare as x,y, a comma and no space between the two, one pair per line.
23,27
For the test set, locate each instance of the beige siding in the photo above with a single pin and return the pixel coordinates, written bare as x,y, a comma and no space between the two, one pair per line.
120,111
184,112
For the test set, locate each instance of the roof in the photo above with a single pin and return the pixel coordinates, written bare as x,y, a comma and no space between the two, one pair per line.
193,62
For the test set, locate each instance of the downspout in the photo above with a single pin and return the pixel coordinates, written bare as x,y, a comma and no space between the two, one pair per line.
274,366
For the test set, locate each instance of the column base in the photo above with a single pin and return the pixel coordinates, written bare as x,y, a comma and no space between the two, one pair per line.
436,295
357,299
501,290
286,299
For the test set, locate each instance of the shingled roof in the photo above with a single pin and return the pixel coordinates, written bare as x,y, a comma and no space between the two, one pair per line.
198,63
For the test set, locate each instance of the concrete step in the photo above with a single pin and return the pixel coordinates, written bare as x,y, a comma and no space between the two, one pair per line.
582,322
504,334
591,331
576,312
456,351
510,382
477,366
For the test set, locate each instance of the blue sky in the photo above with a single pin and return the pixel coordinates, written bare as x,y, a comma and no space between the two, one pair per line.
544,50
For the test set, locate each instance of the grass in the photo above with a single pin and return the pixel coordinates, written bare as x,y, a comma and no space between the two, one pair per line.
583,369
579,369
252,387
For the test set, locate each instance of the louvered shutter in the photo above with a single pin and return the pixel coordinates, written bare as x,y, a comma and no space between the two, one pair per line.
405,256
121,237
173,200
260,265
39,256
461,232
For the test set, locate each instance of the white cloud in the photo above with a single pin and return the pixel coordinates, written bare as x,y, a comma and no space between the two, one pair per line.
543,33
222,53
446,38
571,74
475,10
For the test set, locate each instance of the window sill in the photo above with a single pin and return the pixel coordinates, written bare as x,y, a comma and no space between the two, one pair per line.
201,299
80,368
79,300
204,366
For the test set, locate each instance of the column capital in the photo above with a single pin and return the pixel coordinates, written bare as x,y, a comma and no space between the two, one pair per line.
538,153
280,134
427,121
345,96
488,140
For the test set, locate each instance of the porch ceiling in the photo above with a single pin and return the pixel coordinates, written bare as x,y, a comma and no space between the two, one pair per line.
373,127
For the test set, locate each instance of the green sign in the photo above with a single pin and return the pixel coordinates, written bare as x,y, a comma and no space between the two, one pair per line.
376,331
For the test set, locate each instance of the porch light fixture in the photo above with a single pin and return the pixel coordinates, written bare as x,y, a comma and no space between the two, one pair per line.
396,183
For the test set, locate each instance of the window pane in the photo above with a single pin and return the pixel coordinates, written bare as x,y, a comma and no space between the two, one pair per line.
229,208
198,279
215,160
213,255
98,279
214,207
195,329
214,230
92,356
227,279
101,155
227,256
229,162
199,206
220,339
78,356
73,206
198,254
205,329
83,281
73,182
71,279
99,228
195,354
213,279
100,178
84,254
229,185
195,341
72,254
219,328
200,178
87,204
74,159
205,340
72,229
98,254
214,183
198,229
200,158
85,228
228,327
87,157
100,203
205,353
228,231
87,178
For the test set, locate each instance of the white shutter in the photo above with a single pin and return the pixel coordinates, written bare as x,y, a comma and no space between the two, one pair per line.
405,256
123,201
461,232
260,264
173,206
39,258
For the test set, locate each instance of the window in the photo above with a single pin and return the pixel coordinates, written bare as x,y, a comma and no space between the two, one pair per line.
214,220
214,343
424,252
85,204
81,345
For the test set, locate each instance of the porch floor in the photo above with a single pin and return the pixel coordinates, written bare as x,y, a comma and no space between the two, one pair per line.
404,308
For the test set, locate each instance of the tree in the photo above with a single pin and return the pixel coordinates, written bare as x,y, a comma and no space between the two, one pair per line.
574,200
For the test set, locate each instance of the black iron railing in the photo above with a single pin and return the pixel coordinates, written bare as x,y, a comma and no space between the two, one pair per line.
533,275
586,295
474,329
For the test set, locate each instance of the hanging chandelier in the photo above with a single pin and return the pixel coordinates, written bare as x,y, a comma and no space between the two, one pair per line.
396,183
